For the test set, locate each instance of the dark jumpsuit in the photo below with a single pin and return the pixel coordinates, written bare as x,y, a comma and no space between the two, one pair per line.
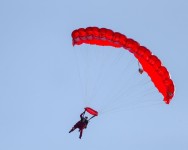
81,125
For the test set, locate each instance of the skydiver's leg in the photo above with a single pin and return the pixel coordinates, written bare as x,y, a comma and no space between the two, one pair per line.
81,131
73,128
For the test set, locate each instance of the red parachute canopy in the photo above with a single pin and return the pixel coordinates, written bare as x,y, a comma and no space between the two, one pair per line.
91,111
150,63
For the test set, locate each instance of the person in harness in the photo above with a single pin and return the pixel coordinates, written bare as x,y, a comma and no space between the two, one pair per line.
82,124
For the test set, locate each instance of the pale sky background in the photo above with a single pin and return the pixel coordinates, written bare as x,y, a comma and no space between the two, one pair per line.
45,82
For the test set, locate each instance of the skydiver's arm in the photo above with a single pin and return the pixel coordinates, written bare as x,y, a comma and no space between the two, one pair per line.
82,114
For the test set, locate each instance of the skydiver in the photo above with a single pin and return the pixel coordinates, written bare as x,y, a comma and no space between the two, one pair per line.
140,70
82,124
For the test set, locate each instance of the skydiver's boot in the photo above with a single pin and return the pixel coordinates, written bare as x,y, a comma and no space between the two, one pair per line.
72,130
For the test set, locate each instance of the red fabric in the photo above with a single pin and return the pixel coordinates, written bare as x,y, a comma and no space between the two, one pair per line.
150,63
91,111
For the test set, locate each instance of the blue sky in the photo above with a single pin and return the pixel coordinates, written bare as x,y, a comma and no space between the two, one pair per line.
45,82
